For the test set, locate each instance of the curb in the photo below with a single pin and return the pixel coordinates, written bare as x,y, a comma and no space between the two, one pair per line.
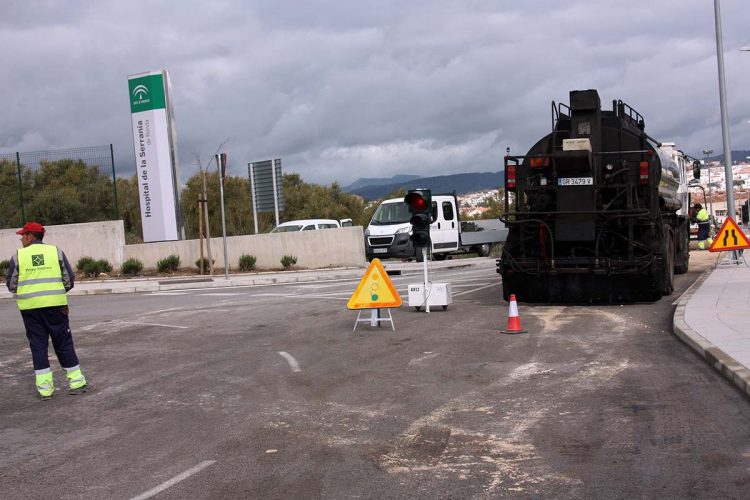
722,362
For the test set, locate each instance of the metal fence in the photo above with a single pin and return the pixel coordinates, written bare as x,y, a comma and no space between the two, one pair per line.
62,186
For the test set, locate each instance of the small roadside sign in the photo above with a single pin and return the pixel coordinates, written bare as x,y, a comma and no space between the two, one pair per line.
730,237
375,290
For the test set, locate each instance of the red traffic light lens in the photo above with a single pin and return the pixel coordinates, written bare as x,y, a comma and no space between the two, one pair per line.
416,201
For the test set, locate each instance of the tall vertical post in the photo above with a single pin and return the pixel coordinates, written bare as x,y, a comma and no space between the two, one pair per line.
20,189
724,119
114,181
220,166
275,191
426,277
200,232
251,167
710,198
208,229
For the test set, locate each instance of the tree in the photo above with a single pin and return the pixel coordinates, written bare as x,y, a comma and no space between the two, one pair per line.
10,209
313,201
68,192
495,205
129,207
237,209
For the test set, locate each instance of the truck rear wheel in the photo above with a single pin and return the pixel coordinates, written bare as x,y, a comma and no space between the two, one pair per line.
682,259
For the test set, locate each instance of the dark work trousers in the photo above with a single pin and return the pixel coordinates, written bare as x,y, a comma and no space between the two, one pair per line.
49,322
703,229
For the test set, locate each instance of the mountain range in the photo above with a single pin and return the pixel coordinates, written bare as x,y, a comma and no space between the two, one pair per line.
737,156
460,183
373,188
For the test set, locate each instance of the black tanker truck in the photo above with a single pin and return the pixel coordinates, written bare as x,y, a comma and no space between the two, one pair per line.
597,210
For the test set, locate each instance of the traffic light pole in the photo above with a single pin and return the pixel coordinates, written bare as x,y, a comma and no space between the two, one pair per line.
426,278
419,202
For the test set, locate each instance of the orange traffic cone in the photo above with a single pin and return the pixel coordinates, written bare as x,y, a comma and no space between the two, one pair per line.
514,321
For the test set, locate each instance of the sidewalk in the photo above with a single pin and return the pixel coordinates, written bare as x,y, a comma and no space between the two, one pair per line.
713,317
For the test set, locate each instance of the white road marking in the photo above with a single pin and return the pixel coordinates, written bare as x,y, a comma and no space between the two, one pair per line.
151,324
417,361
476,289
290,359
180,477
169,292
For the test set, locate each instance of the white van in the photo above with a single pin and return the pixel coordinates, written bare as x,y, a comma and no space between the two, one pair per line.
306,225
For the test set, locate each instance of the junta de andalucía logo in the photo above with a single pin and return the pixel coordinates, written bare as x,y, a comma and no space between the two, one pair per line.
140,92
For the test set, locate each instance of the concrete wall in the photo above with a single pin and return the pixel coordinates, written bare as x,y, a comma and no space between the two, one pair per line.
100,240
344,247
313,249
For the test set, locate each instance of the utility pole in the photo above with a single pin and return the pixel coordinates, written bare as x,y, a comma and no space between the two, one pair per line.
221,165
208,230
710,199
724,118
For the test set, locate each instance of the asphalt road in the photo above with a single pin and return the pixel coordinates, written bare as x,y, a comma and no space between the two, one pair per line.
264,392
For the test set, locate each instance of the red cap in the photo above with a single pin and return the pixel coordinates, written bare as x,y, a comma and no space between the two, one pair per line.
31,227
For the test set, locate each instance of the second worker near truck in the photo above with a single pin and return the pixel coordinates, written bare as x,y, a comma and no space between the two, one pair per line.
704,226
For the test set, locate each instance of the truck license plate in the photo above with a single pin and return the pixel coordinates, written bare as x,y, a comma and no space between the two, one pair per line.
379,250
575,181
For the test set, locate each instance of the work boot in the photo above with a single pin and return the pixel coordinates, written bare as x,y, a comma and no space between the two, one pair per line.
45,397
81,390
76,380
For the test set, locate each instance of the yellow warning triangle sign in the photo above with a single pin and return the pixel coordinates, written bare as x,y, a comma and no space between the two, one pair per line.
375,290
730,237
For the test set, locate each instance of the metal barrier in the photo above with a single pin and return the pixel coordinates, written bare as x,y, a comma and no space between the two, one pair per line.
62,186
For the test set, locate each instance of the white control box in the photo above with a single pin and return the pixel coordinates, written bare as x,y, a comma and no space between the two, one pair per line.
438,294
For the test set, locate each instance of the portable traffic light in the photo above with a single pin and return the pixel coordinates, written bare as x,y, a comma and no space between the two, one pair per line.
419,202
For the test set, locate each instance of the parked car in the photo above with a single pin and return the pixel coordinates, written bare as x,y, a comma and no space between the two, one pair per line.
307,225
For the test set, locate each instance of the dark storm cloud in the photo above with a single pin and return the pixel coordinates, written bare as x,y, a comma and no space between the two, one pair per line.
341,90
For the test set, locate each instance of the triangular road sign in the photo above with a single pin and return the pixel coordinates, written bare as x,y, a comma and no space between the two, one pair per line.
375,290
730,237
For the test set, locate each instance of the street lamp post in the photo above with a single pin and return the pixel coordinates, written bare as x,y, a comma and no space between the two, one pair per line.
723,107
707,152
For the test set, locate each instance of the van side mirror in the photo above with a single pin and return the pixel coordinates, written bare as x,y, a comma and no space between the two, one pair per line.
696,169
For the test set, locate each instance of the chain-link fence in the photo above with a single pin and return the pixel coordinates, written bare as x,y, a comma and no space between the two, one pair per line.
62,186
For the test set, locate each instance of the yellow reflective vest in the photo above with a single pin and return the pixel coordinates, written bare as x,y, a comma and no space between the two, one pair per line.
702,215
40,280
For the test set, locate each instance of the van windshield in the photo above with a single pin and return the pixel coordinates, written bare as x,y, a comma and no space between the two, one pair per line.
391,213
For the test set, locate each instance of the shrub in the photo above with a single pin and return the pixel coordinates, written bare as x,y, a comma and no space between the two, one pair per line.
288,261
96,267
168,264
247,262
132,266
4,267
205,263
83,262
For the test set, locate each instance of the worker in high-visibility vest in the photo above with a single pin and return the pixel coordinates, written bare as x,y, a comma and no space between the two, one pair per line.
704,226
39,275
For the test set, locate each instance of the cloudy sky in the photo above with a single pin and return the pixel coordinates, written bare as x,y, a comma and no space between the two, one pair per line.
342,89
